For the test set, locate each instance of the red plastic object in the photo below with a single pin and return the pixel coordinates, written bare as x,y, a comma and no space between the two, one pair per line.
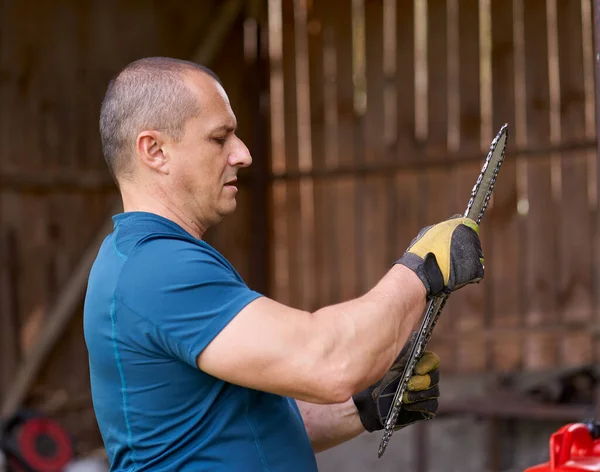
572,449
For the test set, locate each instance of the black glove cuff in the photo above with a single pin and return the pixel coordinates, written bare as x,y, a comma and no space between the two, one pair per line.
427,270
367,411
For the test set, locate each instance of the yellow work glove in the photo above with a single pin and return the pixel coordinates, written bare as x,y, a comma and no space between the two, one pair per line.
420,401
446,256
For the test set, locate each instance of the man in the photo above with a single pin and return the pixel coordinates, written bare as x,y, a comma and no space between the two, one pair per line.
190,369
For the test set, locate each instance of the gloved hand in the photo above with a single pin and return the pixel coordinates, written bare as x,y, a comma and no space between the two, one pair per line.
420,401
446,256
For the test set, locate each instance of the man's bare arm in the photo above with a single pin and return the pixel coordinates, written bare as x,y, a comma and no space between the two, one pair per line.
330,425
320,357
337,351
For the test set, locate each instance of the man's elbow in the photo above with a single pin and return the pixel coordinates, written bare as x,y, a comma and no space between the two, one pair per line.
340,384
336,375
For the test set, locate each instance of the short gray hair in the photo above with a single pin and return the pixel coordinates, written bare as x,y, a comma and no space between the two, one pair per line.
149,93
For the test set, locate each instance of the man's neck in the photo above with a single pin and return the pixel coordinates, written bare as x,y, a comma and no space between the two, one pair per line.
133,201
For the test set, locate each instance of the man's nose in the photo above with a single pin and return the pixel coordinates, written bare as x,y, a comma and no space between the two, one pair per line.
240,157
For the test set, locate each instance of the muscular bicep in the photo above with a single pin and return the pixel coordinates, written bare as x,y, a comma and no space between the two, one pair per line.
270,347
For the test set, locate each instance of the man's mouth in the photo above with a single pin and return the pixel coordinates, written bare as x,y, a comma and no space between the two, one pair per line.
231,183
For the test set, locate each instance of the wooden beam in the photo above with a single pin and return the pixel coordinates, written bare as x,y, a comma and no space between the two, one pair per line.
213,41
9,326
57,180
596,33
73,291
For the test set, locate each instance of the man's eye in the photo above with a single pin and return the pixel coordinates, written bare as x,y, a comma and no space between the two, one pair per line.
220,140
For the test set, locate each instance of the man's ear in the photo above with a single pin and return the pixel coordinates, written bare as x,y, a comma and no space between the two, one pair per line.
149,150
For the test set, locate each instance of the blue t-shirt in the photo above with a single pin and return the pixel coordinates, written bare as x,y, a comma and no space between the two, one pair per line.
156,297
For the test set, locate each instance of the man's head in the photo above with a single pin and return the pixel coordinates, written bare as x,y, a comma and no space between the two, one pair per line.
168,132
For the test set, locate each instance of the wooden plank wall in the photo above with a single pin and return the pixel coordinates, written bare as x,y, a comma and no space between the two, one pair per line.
404,97
56,59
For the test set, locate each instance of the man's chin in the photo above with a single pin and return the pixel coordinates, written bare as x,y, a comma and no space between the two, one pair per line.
228,208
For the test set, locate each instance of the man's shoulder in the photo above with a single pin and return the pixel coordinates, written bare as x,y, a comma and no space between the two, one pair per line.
157,250
142,237
160,260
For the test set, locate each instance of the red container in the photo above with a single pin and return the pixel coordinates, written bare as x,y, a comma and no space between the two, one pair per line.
573,448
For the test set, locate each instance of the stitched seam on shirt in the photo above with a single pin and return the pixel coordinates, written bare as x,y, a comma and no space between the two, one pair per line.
123,383
119,253
256,439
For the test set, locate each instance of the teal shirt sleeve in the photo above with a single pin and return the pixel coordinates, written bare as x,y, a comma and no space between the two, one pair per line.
186,290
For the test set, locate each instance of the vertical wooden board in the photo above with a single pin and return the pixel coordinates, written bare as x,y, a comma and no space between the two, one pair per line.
502,220
469,302
24,134
9,302
306,189
405,79
292,212
540,268
409,218
8,204
375,229
374,144
294,243
404,203
25,126
404,190
323,241
61,107
374,195
341,19
344,197
88,98
31,246
64,43
279,283
8,84
345,188
575,291
104,58
437,51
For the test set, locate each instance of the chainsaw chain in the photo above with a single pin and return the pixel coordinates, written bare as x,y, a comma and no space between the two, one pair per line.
437,304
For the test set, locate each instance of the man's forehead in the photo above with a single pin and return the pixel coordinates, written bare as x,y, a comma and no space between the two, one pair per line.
213,100
206,87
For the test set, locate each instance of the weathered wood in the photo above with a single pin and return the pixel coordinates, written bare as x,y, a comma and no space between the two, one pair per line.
57,319
344,200
9,323
375,198
305,157
540,244
323,135
503,256
575,266
292,245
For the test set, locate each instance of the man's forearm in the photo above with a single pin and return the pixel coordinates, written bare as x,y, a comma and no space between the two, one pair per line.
362,337
330,425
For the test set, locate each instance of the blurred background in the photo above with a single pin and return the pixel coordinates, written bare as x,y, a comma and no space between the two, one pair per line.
367,120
